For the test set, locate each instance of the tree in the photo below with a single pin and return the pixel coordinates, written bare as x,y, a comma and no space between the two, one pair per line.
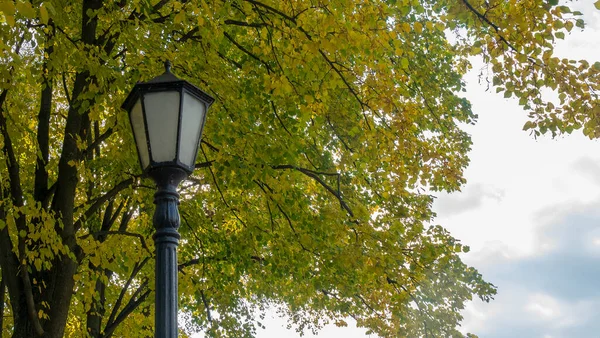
334,122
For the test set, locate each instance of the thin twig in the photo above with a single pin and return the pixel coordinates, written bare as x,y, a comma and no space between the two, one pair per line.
122,233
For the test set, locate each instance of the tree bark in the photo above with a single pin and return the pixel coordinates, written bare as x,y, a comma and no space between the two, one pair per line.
60,284
23,326
2,288
43,133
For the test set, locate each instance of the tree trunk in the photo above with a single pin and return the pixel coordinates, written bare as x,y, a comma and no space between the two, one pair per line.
2,287
23,327
96,312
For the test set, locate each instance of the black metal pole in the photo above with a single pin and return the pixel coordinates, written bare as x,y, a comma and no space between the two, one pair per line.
166,240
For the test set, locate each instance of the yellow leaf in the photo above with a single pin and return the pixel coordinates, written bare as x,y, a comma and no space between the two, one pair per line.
406,27
25,9
8,8
95,260
597,4
44,14
418,27
341,323
569,26
529,125
10,20
404,63
179,17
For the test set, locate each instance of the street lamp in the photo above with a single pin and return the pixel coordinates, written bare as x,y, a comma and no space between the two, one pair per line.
167,116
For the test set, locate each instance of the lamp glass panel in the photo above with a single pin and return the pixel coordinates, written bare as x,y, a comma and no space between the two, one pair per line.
162,117
139,132
192,121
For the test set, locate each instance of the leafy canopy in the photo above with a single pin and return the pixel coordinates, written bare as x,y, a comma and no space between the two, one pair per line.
334,121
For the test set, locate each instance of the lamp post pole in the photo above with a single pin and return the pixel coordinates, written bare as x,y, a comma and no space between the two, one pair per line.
167,117
166,239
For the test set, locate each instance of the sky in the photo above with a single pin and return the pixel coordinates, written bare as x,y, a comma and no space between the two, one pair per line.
530,213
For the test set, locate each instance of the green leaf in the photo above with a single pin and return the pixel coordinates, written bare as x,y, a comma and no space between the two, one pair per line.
404,63
44,14
7,7
179,17
569,25
597,4
26,9
529,125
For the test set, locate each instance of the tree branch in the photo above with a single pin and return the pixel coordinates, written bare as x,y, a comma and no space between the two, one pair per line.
111,323
66,89
9,262
314,175
28,293
279,119
220,191
135,300
123,233
17,198
206,305
204,164
97,202
11,160
2,294
109,220
43,132
271,9
493,25
249,53
262,186
213,148
244,24
419,308
97,141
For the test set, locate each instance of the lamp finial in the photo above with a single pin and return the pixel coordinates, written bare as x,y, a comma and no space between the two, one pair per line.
167,66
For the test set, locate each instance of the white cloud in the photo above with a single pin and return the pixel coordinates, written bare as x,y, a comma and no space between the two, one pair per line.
543,306
471,197
551,293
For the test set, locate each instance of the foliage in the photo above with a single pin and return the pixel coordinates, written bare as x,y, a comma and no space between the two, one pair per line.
333,123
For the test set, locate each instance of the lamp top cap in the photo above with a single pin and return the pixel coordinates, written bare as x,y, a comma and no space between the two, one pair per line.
165,80
165,77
